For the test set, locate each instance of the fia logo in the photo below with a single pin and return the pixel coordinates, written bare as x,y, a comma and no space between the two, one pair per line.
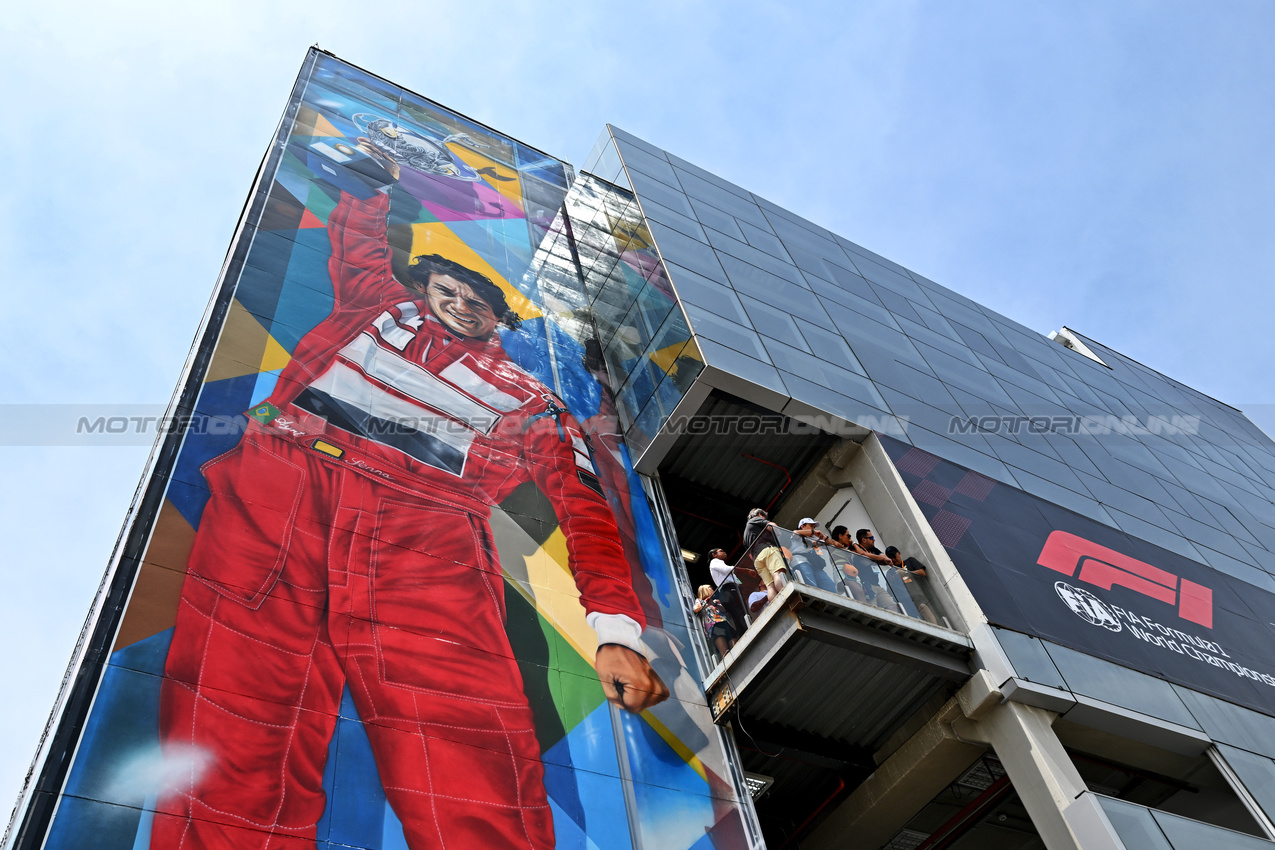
1087,607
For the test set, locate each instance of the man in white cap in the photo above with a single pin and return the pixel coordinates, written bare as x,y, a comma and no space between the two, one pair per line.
807,559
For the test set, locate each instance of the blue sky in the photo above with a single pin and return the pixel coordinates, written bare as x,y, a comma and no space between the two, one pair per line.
1104,166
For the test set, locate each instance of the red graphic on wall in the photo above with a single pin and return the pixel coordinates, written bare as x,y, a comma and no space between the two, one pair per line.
1107,568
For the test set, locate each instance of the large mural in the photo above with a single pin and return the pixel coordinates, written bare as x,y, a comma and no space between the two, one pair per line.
403,589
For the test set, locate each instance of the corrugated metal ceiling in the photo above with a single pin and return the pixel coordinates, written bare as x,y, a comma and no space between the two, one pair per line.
746,458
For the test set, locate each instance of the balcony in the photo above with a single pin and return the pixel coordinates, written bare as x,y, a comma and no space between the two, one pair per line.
823,676
844,652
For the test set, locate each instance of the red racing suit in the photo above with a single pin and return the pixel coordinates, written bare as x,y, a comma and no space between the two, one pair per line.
346,541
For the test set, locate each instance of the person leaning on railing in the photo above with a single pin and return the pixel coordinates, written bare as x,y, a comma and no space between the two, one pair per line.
865,545
909,572
841,537
807,560
768,561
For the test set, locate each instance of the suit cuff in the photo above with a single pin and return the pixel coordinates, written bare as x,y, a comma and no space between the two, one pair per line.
618,629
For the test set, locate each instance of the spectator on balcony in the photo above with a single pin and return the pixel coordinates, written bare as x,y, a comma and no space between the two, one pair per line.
757,602
808,558
841,538
909,572
865,545
728,589
715,619
757,523
767,559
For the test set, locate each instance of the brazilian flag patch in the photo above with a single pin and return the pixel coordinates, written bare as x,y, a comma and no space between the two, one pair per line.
264,412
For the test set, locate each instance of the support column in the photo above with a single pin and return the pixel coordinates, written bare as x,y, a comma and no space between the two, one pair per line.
904,783
973,721
1043,775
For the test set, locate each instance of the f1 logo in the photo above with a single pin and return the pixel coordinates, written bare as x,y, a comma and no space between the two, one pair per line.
1107,568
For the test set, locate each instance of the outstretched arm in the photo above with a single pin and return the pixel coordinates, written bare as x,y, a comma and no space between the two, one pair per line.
880,559
360,263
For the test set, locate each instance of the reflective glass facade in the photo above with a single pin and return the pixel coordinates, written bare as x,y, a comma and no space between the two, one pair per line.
803,321
815,321
641,331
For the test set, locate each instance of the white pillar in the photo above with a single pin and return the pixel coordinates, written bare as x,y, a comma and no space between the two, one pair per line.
1043,775
974,721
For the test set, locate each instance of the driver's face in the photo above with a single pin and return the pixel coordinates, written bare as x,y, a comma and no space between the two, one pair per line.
456,305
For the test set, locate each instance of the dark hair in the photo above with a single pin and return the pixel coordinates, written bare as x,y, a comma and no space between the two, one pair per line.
426,265
862,533
838,531
756,512
891,551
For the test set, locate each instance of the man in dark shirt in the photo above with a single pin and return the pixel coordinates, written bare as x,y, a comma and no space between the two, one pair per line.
841,537
767,559
865,545
910,571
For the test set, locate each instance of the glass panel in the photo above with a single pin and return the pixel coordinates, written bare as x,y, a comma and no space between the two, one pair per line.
764,286
656,166
1257,773
646,186
684,167
595,154
685,251
1030,658
1224,721
677,221
803,239
655,305
623,136
1187,834
777,324
1118,685
1135,825
829,345
609,166
639,385
696,289
716,219
739,337
756,257
722,199
763,239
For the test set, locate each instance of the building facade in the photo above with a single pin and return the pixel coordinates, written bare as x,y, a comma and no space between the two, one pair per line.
418,562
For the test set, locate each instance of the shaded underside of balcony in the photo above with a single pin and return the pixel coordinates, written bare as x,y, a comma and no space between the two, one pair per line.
817,686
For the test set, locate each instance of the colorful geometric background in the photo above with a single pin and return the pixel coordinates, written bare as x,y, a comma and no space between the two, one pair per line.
655,780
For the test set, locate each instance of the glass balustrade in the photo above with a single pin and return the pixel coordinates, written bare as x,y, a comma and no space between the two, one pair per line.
780,555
